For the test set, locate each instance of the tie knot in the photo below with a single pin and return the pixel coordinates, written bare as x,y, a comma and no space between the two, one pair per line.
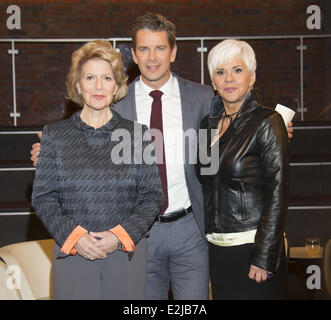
156,94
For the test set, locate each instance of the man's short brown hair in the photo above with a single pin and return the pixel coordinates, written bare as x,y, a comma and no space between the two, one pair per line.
154,22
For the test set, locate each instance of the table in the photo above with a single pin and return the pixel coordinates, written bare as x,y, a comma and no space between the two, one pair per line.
298,253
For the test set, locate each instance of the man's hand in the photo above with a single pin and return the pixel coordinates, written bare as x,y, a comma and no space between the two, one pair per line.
289,129
35,151
86,247
107,241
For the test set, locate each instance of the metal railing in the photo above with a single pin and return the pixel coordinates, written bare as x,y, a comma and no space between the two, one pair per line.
201,49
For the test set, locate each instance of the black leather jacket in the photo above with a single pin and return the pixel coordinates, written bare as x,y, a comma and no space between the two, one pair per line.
249,189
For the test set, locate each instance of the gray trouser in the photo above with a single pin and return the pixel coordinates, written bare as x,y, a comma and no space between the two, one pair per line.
113,278
177,256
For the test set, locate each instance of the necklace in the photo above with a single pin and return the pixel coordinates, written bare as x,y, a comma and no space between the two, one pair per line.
226,116
229,115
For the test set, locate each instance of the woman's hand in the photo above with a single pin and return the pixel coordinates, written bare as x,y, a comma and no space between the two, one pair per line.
258,274
87,248
107,241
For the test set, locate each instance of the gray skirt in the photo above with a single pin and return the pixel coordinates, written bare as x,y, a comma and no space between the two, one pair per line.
115,278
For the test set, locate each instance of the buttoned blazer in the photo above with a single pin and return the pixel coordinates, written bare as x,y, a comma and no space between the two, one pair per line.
195,104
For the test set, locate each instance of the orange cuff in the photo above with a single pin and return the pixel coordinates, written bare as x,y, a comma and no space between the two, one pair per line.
75,235
124,237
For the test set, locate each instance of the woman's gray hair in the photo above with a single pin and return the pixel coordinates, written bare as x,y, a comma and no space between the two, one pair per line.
229,49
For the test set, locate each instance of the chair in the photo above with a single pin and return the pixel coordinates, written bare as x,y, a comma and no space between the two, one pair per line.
5,292
326,266
25,270
286,247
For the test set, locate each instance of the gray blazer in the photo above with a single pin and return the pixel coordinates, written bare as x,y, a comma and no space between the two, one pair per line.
195,100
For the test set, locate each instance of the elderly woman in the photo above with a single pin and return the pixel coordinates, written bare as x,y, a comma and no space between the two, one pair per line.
245,197
97,196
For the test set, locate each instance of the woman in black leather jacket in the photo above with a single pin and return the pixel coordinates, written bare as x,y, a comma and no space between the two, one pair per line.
243,168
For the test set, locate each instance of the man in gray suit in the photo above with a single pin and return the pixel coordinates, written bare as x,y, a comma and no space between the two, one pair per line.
177,246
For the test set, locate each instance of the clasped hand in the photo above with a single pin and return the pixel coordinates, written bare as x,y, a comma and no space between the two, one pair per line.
258,274
96,245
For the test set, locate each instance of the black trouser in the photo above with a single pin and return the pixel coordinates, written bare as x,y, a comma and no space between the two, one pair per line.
229,270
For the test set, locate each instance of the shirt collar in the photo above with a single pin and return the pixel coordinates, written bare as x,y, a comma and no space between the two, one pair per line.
168,88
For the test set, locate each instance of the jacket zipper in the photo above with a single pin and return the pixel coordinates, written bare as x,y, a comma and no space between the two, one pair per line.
242,199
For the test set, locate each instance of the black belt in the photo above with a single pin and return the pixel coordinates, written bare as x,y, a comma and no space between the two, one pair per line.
173,216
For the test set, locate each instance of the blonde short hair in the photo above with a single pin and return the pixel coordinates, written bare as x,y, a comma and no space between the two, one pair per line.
229,49
96,49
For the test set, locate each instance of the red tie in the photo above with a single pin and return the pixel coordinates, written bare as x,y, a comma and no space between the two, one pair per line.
156,123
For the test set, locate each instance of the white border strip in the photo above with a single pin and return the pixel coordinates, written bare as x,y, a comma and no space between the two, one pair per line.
27,213
18,169
309,207
301,164
24,132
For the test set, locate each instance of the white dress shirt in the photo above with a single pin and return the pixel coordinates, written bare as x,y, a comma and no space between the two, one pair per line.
178,196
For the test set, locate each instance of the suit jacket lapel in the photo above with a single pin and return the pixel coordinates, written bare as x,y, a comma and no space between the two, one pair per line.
187,120
186,104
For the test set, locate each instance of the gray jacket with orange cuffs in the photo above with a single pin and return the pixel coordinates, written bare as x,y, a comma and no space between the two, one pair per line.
96,180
